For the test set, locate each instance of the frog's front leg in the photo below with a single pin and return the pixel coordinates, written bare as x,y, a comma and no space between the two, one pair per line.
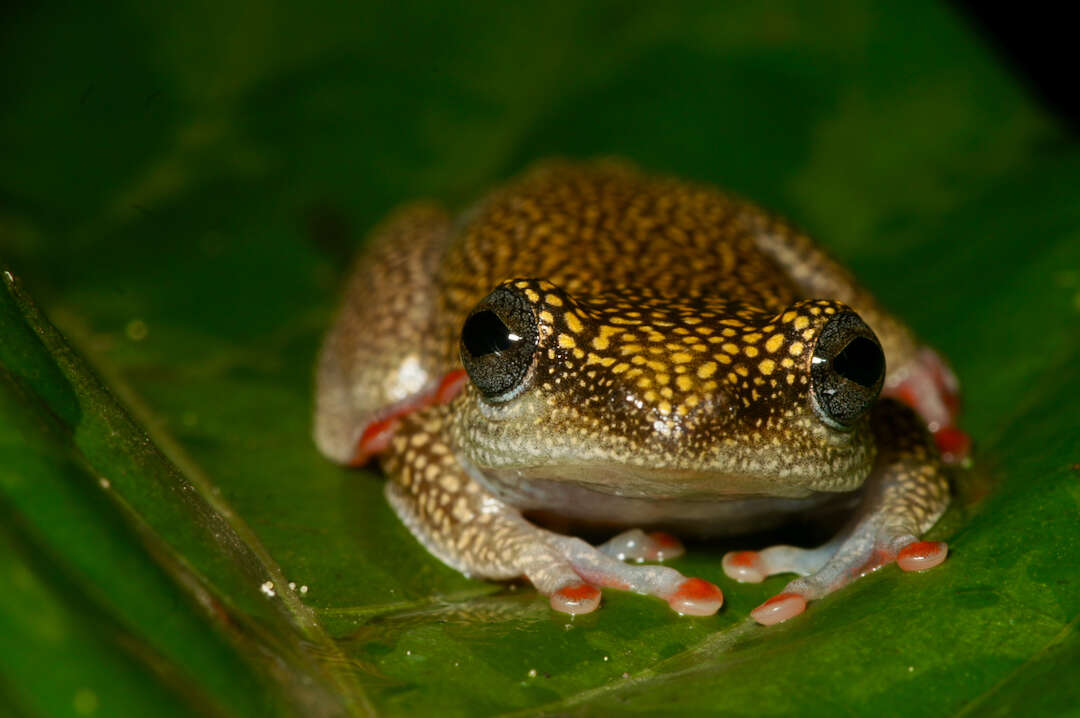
904,496
469,529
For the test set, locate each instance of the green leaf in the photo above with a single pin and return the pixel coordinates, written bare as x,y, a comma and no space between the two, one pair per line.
180,188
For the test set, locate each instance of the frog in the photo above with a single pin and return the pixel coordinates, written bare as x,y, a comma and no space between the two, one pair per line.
594,345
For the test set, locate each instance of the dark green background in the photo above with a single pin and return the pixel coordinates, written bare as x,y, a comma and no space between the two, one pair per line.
180,185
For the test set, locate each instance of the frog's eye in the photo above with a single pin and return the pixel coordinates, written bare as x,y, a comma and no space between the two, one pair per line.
498,341
847,370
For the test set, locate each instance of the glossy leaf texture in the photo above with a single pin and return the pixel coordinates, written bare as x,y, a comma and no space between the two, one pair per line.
180,189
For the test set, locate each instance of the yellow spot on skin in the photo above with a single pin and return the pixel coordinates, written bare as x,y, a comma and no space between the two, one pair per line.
723,358
752,338
602,341
751,352
620,367
574,323
706,370
692,400
566,341
656,365
532,296
789,316
626,349
665,407
578,353
795,349
681,357
766,366
450,483
650,396
775,342
684,382
662,379
742,371
730,348
554,300
801,322
546,317
790,379
644,382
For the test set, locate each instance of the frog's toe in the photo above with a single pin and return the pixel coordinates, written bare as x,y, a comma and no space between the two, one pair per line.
576,598
756,566
779,608
689,596
636,545
696,597
922,555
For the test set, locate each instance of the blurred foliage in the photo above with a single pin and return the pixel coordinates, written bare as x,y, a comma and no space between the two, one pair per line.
180,187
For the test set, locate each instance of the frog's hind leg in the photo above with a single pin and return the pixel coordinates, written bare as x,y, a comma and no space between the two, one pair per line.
380,359
904,497
469,529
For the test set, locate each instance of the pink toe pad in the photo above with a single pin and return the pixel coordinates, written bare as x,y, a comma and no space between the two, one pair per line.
575,599
922,555
779,608
744,566
665,546
696,597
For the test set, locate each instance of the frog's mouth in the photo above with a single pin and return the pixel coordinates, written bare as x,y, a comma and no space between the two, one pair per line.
631,496
654,484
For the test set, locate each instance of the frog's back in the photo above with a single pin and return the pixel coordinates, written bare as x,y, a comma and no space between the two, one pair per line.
606,228
604,233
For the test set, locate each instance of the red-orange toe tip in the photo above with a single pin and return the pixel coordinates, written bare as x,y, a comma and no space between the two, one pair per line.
744,566
665,546
575,599
779,608
922,555
696,597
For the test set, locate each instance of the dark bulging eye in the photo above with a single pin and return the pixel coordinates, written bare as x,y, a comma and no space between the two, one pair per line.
847,371
498,341
484,333
861,361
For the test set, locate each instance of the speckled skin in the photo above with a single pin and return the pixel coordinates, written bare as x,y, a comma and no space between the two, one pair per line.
668,379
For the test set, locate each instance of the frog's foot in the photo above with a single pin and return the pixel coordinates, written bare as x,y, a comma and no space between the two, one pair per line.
827,568
928,385
638,546
904,496
576,571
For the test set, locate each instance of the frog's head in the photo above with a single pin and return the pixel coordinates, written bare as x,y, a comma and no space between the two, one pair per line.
630,393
